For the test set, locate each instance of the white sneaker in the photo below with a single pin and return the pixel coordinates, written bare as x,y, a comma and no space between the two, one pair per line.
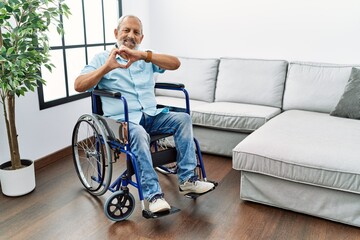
158,204
193,185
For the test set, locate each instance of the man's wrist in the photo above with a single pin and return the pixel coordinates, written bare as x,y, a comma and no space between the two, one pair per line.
148,56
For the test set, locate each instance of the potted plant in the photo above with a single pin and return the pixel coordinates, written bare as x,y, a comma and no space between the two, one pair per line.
24,48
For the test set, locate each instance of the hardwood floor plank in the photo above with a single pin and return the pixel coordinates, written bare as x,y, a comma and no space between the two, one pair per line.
59,208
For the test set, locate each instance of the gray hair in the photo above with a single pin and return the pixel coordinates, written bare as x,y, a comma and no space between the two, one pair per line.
121,19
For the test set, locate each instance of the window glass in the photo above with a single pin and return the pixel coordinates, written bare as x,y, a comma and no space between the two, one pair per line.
55,87
92,51
109,47
54,37
74,25
112,17
94,21
75,59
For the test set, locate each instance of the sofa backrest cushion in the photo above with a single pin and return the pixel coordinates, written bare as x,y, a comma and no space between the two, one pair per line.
349,104
315,86
198,75
251,81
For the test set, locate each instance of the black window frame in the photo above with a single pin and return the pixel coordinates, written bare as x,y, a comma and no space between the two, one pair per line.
70,98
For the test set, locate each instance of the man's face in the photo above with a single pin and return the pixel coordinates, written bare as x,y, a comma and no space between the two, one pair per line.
129,33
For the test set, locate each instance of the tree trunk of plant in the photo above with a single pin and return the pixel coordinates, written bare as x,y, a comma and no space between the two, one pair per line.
9,115
9,112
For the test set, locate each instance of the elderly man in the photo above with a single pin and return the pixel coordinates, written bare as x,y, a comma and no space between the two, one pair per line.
129,70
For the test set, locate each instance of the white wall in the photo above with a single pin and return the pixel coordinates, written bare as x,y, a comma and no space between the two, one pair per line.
42,132
306,30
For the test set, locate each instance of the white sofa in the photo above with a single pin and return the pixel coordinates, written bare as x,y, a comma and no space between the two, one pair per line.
230,98
274,118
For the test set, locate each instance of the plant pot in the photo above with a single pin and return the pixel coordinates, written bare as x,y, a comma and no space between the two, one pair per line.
17,182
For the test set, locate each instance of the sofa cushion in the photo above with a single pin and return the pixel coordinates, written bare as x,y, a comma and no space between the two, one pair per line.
349,104
315,86
198,75
251,81
229,116
306,147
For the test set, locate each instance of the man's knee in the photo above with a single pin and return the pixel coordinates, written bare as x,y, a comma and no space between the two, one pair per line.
139,135
184,119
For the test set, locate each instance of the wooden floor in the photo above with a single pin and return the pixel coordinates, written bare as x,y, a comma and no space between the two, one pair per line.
60,209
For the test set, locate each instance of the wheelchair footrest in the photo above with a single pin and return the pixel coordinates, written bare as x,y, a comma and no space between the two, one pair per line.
147,214
166,170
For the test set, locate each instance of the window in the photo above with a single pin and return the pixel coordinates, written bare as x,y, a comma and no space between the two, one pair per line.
89,30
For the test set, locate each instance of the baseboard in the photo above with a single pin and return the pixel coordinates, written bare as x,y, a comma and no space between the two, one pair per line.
53,157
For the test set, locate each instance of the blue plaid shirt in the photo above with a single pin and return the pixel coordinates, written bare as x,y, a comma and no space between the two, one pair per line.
135,83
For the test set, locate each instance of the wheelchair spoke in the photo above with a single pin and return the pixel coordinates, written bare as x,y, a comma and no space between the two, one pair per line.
119,206
91,157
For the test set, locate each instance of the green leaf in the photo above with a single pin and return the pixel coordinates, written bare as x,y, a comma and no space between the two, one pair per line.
52,9
10,51
26,44
8,8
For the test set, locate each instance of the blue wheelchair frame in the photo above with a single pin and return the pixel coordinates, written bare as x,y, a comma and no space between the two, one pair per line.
119,187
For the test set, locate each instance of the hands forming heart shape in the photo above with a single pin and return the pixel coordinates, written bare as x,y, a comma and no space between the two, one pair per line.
126,53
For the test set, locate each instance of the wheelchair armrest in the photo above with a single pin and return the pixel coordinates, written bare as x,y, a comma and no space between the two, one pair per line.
106,93
165,85
178,87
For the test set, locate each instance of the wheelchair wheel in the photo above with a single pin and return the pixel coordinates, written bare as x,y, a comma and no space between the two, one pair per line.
119,206
92,155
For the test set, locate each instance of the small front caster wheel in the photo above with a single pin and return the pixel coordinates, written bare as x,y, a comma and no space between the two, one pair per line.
119,206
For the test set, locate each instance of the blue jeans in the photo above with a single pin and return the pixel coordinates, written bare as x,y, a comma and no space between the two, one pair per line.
176,123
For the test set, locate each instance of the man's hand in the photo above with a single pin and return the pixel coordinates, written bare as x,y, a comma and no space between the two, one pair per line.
112,63
126,53
129,54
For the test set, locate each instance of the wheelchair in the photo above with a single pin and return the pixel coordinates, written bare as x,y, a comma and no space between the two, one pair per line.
96,148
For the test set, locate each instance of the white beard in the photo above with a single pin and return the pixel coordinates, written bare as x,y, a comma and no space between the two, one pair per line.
119,44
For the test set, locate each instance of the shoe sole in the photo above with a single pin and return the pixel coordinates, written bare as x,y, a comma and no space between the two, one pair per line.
160,210
184,192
